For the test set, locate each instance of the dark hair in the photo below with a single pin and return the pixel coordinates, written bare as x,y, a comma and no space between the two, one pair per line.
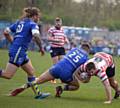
90,66
85,45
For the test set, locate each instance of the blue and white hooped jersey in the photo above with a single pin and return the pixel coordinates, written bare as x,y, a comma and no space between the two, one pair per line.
76,57
22,30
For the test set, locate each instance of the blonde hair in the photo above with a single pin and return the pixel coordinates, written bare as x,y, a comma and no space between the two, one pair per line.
29,12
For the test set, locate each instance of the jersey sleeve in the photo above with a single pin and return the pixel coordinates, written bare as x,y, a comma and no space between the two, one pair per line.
82,68
34,28
50,32
13,27
102,75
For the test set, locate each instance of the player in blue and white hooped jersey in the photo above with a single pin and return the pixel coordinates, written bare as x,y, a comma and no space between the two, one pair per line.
24,30
64,70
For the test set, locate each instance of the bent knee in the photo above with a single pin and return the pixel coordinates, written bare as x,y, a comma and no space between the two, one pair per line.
77,87
7,75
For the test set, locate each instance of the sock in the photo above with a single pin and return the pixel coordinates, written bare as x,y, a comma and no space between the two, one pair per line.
66,87
0,72
35,89
33,85
31,79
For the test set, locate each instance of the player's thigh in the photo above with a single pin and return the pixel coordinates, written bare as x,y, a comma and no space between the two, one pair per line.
112,80
61,56
10,70
28,68
44,77
55,59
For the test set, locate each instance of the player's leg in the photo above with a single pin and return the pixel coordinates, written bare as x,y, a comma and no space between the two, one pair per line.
29,69
54,52
115,86
50,74
54,60
60,57
71,86
41,79
9,72
26,65
61,53
113,83
44,77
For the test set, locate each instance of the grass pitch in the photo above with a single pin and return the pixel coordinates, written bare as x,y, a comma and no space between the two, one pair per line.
91,95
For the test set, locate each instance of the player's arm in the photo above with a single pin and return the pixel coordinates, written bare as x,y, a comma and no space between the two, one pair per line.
78,76
37,39
51,38
7,34
77,73
66,40
108,91
103,77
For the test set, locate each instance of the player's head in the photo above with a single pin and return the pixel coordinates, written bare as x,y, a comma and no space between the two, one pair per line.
58,22
31,12
86,47
35,14
91,68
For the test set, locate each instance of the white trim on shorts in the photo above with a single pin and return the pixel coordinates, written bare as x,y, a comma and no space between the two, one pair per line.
16,56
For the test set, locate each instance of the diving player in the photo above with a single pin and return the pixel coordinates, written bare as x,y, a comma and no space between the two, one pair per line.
63,70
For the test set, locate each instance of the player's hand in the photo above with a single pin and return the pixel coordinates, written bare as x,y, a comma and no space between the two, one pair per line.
108,102
42,52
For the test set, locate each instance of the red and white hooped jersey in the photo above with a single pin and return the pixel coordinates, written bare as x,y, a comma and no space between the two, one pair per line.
107,57
57,38
102,61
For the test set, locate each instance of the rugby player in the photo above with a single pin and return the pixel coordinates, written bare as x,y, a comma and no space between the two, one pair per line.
102,66
57,40
24,30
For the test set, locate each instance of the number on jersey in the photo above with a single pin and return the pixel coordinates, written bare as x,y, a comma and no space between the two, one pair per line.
19,28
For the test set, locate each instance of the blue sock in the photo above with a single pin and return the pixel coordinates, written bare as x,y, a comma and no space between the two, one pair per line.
0,72
31,79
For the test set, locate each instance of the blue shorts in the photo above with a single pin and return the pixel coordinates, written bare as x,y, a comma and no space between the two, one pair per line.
18,57
62,70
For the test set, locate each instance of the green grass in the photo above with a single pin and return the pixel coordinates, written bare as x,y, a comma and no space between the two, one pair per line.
89,95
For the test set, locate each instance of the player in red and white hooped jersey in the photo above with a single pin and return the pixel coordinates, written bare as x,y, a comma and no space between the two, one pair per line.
102,65
57,40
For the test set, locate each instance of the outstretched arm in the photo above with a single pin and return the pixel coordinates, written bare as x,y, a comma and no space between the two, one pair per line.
108,91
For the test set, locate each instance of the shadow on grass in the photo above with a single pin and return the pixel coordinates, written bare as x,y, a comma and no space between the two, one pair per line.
81,99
